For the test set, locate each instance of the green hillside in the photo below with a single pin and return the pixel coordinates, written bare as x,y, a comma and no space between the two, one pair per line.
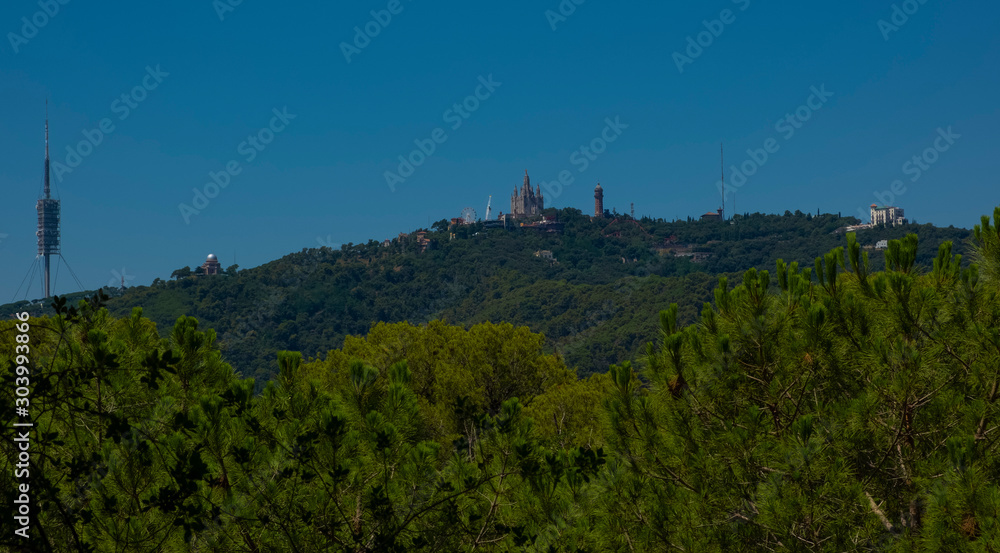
595,301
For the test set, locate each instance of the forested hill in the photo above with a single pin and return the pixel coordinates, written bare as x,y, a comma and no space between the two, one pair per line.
842,410
596,300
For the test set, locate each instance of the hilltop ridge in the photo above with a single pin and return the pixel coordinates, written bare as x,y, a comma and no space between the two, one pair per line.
593,289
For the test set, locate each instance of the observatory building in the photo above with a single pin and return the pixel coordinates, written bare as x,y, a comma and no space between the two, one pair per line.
211,266
527,202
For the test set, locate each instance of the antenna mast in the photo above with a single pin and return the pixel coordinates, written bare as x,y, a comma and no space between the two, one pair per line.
722,171
47,189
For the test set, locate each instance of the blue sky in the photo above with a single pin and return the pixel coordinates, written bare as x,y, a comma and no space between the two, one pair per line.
199,80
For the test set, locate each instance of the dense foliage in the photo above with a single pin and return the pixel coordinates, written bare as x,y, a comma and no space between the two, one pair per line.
834,408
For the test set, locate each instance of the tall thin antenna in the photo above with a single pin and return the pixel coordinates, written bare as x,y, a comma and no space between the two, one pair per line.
722,171
47,190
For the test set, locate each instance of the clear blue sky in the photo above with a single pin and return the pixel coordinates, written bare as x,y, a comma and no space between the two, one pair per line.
322,178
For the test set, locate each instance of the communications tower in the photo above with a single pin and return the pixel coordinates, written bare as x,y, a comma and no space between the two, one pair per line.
48,220
47,232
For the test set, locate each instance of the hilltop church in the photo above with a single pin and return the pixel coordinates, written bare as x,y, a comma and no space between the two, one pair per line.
527,202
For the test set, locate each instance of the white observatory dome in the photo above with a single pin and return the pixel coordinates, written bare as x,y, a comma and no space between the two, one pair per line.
211,257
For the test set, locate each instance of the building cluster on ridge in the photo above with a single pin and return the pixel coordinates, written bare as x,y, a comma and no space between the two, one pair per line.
885,216
530,203
527,202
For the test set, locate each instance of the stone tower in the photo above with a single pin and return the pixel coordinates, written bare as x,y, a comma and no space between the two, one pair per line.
598,201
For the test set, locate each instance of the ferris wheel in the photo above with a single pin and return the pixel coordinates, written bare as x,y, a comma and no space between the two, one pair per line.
468,215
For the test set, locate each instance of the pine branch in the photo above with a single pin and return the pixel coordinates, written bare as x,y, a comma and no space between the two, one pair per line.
878,512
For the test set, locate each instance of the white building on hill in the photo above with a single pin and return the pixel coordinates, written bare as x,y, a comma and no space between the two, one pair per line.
883,216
